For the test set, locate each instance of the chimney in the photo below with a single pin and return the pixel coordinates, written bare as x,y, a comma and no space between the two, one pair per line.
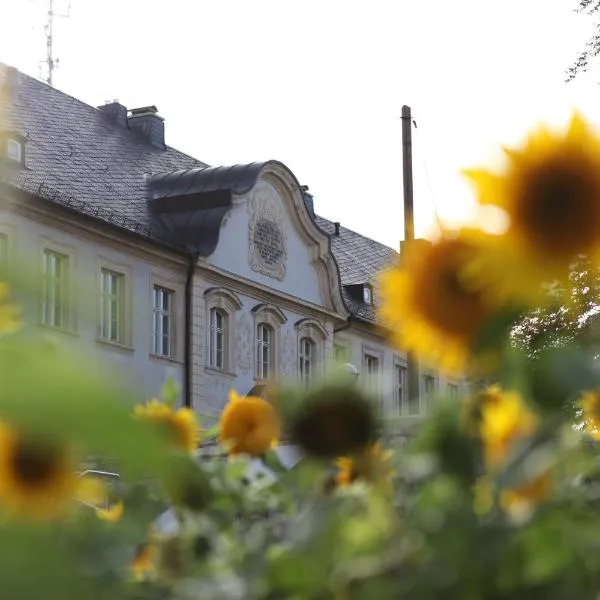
147,121
116,112
337,228
308,200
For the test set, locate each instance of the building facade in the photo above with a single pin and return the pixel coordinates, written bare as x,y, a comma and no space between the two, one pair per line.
157,265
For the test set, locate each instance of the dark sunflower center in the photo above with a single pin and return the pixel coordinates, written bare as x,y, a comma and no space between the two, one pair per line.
35,463
558,210
445,299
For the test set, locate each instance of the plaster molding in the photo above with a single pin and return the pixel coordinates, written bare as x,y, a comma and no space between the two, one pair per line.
286,184
245,343
265,215
262,292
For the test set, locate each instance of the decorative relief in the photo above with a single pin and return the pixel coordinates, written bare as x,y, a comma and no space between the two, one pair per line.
288,354
267,247
244,343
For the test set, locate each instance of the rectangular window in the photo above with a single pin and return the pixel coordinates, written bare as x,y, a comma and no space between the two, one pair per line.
429,389
306,360
400,389
14,150
264,351
112,306
162,330
372,373
55,289
217,338
452,390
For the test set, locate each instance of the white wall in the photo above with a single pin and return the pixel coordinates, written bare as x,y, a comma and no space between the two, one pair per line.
359,342
240,374
232,252
132,362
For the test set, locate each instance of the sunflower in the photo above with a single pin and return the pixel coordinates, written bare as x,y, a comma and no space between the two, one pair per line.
333,421
430,305
367,466
516,500
505,421
112,514
9,313
144,561
249,425
527,495
37,475
590,405
180,425
550,191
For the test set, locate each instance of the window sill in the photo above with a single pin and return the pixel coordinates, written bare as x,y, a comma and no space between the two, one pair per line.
162,358
59,330
115,346
222,372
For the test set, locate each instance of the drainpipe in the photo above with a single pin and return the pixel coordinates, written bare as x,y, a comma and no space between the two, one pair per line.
188,335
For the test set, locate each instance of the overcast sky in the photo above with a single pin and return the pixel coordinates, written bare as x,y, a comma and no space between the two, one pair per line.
319,85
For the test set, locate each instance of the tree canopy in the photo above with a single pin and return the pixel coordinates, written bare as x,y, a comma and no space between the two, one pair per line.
592,48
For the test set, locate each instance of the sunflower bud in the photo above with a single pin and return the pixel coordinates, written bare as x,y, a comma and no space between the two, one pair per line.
333,421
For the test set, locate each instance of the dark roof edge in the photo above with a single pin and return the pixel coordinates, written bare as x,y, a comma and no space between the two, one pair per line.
92,213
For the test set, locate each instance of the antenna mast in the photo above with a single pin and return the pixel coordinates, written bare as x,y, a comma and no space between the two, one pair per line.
51,62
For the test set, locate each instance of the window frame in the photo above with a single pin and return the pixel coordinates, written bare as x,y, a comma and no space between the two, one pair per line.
12,142
216,332
64,282
372,385
51,245
126,296
307,363
401,400
453,389
260,345
169,312
425,396
267,314
229,304
312,330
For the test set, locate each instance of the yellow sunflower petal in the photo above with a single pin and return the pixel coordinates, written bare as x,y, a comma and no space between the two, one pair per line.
550,191
432,307
112,514
248,425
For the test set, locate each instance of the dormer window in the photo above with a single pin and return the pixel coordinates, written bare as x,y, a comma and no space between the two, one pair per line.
367,294
14,150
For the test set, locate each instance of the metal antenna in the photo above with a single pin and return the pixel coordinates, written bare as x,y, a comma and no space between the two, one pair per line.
51,62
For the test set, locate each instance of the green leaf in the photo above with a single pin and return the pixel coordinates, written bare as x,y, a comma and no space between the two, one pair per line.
170,392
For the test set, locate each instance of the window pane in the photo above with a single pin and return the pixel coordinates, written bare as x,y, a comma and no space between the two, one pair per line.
111,305
55,289
162,321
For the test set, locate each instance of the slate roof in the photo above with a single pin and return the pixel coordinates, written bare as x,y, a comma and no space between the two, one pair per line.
75,150
77,156
359,259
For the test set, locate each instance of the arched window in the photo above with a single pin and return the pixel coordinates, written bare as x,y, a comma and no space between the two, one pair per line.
222,306
264,351
306,358
311,349
217,343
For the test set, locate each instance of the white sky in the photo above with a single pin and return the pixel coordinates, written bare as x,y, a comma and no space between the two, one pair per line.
319,85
